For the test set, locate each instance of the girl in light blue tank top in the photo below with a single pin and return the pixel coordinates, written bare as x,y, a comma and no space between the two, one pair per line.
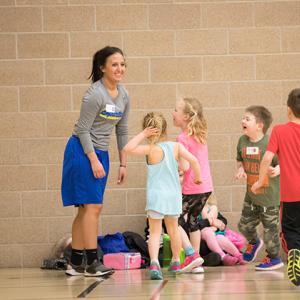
164,199
163,186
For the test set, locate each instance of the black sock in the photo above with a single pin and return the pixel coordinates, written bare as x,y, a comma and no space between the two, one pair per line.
76,257
91,255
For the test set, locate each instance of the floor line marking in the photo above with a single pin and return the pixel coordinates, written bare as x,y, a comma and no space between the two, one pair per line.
156,292
90,288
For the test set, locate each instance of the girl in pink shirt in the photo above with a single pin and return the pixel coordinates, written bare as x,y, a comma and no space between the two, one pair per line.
188,115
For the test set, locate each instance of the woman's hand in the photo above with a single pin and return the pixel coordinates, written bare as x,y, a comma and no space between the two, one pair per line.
97,169
122,174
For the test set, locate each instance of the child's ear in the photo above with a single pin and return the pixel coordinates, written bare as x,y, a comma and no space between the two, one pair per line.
289,112
186,117
260,125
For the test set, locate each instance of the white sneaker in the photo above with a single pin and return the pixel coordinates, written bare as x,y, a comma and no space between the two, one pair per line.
197,270
191,262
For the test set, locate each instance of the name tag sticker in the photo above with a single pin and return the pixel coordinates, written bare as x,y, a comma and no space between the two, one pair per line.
110,108
252,150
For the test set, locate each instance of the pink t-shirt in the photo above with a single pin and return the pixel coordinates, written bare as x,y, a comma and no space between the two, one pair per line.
201,153
285,142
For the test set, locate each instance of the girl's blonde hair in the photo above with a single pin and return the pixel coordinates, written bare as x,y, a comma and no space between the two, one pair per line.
156,120
197,126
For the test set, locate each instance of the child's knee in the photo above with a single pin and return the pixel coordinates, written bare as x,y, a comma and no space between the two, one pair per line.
206,232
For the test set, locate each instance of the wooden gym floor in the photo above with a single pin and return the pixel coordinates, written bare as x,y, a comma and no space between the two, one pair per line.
217,283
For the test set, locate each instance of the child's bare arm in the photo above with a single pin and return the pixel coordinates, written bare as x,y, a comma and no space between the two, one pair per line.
205,211
213,212
183,164
185,154
210,212
219,224
240,172
134,147
263,170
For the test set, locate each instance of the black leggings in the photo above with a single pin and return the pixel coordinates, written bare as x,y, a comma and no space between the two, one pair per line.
290,225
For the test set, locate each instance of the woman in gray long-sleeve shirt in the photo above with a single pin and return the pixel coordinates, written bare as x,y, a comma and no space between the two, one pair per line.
104,107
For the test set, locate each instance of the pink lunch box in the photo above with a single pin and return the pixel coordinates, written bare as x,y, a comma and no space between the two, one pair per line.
122,261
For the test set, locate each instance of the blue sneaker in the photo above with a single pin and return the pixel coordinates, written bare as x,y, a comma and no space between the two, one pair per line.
294,266
252,250
155,271
269,264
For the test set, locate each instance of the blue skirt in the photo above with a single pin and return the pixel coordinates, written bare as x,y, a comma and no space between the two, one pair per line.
79,186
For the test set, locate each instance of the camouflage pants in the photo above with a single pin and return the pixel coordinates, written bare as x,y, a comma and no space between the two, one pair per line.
252,215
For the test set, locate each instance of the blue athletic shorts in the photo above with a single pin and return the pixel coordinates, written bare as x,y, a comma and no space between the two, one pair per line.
79,186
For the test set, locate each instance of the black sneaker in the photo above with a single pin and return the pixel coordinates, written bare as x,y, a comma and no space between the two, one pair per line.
73,270
55,264
212,259
97,269
294,266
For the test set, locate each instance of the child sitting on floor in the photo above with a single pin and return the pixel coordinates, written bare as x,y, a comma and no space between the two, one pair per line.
213,230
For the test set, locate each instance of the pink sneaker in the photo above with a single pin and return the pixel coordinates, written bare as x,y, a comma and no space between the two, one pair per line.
175,267
240,258
191,262
155,271
229,260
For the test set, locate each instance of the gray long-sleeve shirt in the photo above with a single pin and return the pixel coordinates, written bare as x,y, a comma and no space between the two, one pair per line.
99,114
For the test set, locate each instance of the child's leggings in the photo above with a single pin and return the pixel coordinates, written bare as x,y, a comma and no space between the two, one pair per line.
218,243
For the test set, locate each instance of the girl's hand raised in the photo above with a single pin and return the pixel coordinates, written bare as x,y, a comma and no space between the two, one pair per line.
149,131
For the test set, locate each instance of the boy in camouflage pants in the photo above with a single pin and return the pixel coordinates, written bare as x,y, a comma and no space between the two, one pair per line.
264,206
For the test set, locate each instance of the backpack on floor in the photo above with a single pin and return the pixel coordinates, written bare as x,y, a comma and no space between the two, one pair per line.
113,243
136,243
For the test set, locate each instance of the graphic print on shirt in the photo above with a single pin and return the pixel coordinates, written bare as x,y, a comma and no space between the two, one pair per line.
110,113
251,163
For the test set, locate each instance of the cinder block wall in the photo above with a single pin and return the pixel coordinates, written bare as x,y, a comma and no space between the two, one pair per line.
229,54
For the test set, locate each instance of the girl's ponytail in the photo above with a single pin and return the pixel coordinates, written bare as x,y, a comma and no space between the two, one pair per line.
156,120
197,126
